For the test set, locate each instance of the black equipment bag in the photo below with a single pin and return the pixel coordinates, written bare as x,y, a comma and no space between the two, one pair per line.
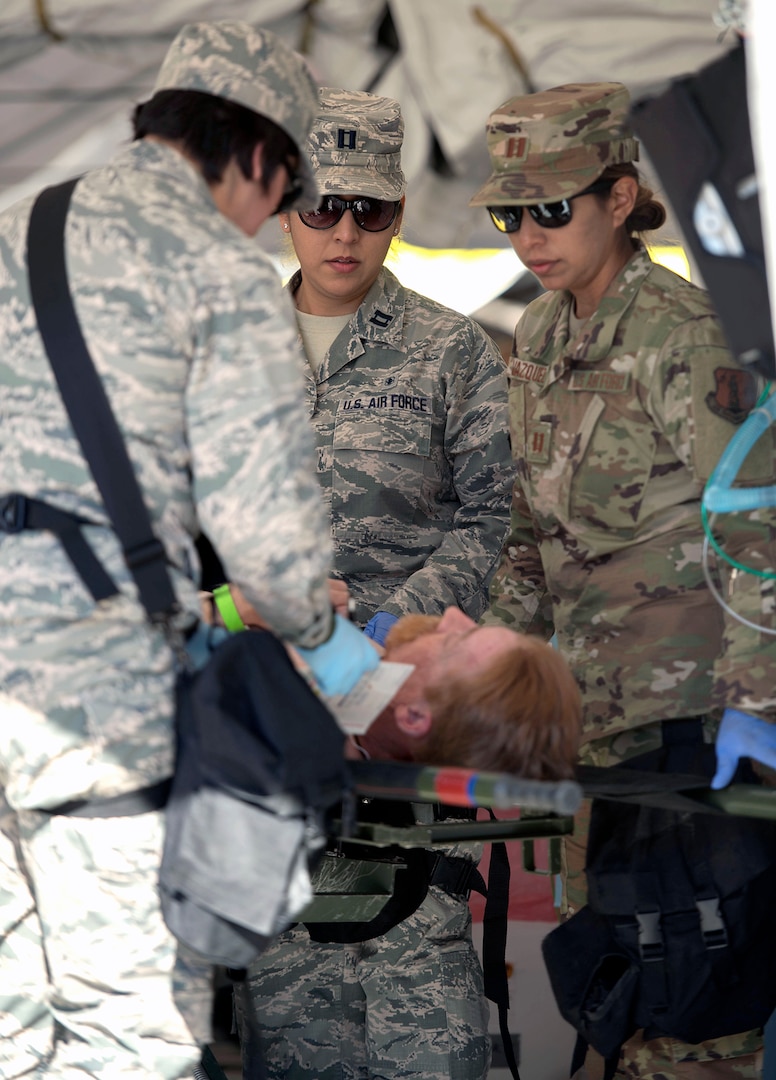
698,136
678,936
260,760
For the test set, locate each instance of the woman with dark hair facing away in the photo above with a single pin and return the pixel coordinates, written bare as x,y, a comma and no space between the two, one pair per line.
195,343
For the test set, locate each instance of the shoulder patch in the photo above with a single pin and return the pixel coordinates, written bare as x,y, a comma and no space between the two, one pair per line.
735,394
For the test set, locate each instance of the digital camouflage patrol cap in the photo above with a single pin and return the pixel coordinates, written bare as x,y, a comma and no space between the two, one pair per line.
254,68
355,144
548,146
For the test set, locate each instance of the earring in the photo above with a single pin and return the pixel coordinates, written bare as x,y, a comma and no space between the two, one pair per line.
395,232
285,226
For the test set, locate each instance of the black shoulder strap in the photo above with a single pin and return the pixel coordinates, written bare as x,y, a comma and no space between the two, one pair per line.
494,944
86,401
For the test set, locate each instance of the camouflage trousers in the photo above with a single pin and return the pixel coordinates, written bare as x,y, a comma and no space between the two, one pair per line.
733,1057
90,986
406,1004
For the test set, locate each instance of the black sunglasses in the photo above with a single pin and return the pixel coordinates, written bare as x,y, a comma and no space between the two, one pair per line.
554,215
371,215
294,187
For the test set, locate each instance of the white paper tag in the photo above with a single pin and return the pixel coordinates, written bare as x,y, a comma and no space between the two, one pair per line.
354,712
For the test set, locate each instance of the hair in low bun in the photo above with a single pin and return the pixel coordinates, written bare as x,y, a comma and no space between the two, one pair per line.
648,213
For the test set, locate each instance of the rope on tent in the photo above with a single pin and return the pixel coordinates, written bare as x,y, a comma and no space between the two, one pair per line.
485,20
45,22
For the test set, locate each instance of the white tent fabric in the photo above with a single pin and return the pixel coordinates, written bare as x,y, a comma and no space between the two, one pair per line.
70,71
761,73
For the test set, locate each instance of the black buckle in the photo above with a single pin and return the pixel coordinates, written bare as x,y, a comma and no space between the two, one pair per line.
13,513
452,873
650,937
713,926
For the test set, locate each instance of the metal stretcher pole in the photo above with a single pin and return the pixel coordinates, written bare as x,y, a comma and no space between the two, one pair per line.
463,787
743,800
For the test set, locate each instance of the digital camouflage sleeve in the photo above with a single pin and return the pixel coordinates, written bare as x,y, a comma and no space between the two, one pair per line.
410,418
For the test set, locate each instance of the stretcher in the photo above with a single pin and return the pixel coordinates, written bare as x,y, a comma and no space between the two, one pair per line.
546,810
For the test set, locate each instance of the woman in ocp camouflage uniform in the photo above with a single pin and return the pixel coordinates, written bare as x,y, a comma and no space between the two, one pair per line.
622,396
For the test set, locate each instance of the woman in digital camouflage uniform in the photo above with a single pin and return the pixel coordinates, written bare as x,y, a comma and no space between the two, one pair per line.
622,396
407,398
408,404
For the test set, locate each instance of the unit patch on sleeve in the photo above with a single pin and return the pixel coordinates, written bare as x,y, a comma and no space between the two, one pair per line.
734,396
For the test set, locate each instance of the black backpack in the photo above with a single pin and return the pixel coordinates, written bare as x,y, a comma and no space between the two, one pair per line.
678,935
260,762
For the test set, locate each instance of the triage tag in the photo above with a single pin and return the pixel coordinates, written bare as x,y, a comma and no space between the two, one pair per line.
354,712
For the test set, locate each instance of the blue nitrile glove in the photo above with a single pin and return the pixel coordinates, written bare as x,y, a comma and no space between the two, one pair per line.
742,735
378,626
340,662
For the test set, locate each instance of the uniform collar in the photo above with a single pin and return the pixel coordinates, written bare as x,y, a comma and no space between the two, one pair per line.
379,320
155,157
595,339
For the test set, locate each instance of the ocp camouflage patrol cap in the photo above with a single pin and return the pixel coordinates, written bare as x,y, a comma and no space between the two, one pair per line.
253,67
355,144
548,146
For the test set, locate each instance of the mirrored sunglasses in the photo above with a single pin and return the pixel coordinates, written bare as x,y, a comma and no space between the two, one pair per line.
554,215
371,215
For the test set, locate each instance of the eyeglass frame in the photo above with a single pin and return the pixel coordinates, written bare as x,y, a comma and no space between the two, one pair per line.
294,187
348,204
598,187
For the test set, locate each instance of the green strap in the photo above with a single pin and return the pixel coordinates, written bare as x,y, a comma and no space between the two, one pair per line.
227,609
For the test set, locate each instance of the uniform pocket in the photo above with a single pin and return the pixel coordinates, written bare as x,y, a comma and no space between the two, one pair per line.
397,423
381,471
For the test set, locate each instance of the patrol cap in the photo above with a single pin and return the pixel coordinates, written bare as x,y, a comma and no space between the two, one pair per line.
253,67
355,144
547,146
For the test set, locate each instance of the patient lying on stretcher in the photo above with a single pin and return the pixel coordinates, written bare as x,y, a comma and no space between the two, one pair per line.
480,697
